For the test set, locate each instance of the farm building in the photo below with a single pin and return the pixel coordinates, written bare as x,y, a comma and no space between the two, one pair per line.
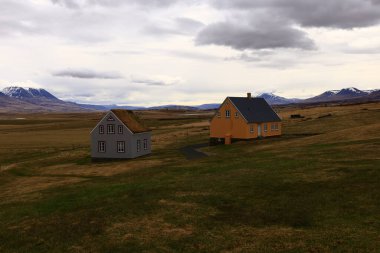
119,135
244,118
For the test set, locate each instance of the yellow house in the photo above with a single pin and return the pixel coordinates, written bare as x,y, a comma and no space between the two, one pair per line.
244,118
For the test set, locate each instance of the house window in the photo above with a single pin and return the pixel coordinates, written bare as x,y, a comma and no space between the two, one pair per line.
101,129
145,144
228,114
251,129
265,127
110,118
101,146
120,129
236,115
110,129
121,146
138,145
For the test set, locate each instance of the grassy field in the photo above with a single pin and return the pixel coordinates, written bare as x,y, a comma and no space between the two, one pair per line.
315,189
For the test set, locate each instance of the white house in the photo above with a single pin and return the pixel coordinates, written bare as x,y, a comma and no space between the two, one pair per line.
119,135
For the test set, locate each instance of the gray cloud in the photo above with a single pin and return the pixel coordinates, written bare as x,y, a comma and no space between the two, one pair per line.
76,4
310,13
242,37
86,74
157,81
270,24
72,4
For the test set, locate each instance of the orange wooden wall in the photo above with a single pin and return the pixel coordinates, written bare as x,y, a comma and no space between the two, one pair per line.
236,126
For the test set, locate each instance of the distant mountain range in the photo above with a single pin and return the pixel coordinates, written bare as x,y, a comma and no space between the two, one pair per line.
18,99
277,100
347,94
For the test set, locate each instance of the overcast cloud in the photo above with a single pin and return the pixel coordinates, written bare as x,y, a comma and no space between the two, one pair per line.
196,51
87,74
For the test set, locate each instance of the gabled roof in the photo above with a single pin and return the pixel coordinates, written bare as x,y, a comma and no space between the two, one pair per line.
130,120
255,110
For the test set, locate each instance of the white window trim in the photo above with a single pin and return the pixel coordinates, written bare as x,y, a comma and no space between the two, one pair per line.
228,114
251,129
138,145
120,129
109,128
102,149
101,129
120,146
145,144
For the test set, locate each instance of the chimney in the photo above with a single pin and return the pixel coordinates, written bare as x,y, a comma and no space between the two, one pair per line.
249,95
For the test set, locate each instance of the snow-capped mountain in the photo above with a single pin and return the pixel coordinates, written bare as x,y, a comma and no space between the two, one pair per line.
277,100
351,92
18,99
24,93
337,95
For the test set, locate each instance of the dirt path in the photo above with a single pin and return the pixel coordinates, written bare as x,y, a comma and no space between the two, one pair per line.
191,152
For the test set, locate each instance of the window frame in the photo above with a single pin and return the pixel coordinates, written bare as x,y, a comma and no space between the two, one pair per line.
102,147
120,129
120,146
112,127
138,146
145,144
228,114
251,129
101,129
265,127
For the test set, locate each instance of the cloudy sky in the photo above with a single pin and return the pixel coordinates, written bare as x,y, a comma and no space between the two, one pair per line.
152,52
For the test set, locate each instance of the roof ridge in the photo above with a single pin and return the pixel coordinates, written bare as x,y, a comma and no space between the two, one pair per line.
255,110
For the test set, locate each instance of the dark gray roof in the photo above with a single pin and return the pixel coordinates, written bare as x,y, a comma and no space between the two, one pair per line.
255,109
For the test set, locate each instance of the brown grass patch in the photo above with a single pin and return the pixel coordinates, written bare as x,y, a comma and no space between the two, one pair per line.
190,125
101,169
193,194
29,188
148,229
177,204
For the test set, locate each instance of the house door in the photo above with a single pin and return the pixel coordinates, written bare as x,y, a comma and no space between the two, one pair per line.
259,130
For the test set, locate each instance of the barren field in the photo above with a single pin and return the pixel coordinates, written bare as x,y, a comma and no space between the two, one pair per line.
315,189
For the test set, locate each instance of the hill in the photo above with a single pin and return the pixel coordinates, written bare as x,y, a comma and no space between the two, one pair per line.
18,99
277,100
315,189
340,95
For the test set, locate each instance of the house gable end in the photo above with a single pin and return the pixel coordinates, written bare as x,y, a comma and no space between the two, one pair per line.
221,106
106,120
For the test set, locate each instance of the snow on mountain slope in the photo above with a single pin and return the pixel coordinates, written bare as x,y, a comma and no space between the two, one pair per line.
22,93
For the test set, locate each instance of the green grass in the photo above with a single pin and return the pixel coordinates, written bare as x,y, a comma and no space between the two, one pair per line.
247,197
